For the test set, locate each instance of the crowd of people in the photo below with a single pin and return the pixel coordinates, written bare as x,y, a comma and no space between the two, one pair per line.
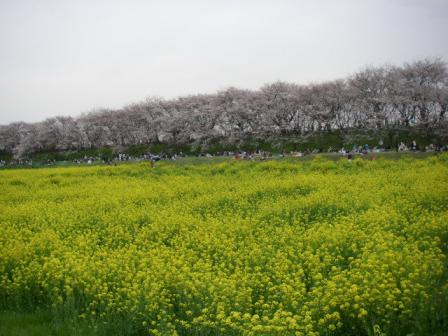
402,147
19,162
238,155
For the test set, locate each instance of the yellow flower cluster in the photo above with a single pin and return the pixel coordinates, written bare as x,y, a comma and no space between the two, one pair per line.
231,248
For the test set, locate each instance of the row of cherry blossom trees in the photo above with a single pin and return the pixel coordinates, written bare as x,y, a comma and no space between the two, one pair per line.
414,95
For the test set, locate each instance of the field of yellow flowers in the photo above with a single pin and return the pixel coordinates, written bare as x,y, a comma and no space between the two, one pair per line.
231,248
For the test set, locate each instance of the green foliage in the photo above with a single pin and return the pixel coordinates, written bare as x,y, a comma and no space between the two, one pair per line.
138,150
43,323
104,153
5,156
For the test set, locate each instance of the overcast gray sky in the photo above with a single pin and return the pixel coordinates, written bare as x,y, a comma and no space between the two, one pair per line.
67,57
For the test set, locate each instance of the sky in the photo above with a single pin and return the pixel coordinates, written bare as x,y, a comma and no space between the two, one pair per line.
64,57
